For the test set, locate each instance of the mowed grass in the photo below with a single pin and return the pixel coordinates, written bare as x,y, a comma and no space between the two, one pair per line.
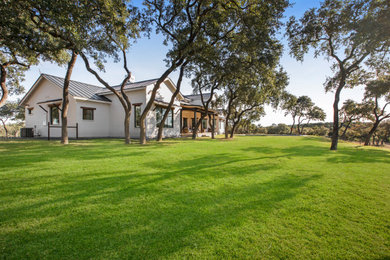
251,197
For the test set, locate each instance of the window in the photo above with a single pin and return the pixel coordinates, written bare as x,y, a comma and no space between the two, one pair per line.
137,115
204,123
30,109
54,115
185,122
160,111
88,113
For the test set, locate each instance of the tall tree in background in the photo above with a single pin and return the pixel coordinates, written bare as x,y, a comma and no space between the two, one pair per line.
120,23
174,95
290,106
352,111
349,33
375,91
208,77
246,95
21,46
303,106
314,113
10,111
76,26
189,26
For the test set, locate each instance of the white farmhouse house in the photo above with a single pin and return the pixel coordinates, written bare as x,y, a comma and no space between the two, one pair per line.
98,113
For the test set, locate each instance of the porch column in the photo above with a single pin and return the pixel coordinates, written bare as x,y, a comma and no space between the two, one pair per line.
193,127
181,120
213,125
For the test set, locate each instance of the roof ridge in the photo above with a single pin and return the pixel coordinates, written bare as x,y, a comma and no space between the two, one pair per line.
137,82
45,74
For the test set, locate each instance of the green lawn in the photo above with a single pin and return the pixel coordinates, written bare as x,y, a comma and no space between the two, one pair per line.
252,197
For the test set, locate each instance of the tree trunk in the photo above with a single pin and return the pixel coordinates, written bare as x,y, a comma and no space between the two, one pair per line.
152,98
345,130
228,115
303,126
5,127
212,120
127,126
65,100
177,91
335,134
372,131
197,124
299,126
292,126
142,134
233,130
4,90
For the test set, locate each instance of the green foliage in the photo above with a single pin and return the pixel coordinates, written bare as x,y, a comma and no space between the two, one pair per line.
11,111
351,34
222,35
279,129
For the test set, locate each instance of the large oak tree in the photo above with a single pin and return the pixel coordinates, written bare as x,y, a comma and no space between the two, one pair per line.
347,32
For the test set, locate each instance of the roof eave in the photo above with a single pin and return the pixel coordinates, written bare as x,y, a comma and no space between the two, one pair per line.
92,100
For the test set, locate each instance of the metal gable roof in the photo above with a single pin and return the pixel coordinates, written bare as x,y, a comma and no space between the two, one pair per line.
132,85
79,89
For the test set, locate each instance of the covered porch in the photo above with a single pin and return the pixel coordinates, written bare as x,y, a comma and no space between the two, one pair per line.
191,114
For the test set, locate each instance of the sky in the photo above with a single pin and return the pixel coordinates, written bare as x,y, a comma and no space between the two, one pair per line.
146,61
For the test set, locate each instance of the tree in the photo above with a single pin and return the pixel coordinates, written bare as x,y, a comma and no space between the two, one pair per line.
121,24
298,108
21,46
351,112
208,77
349,33
190,26
314,113
10,111
75,26
80,26
383,133
246,95
290,105
375,91
303,107
177,91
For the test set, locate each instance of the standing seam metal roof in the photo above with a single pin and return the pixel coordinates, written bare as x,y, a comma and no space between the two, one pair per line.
79,89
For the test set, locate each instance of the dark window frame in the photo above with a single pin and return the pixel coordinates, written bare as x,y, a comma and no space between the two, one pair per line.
51,114
138,105
88,109
161,110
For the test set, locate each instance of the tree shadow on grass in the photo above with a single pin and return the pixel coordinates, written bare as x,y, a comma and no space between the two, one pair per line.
146,221
24,154
342,155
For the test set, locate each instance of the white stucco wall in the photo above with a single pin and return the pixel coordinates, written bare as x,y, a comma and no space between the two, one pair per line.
45,90
99,126
163,94
108,117
116,114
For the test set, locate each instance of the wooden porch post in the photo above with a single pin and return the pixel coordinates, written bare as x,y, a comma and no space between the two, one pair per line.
213,127
194,125
48,131
181,121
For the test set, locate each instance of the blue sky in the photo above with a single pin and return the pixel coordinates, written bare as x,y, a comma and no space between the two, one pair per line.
146,61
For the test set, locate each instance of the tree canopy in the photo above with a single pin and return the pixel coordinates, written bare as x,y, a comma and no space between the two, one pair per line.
347,32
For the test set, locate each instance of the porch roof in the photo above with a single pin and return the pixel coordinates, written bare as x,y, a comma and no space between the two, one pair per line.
197,108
